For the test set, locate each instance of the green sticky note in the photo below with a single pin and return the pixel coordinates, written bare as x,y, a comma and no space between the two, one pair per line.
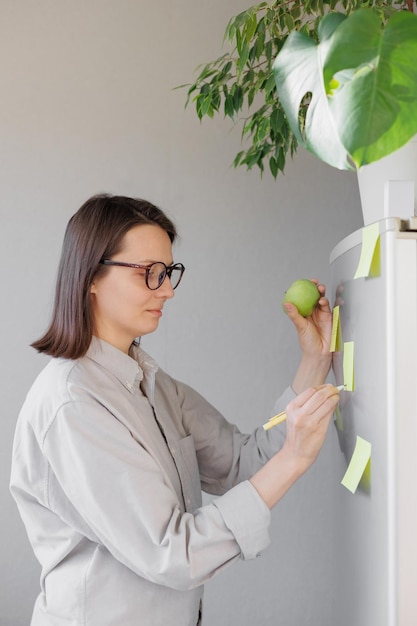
336,339
348,366
370,259
359,462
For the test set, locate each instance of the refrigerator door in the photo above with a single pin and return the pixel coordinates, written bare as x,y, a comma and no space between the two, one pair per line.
375,541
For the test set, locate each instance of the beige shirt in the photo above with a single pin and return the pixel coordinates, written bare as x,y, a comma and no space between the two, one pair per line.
110,456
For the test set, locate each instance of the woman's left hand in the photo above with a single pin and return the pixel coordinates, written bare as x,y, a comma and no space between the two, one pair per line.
314,332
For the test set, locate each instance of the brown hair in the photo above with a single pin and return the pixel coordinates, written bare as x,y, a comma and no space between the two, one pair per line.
94,232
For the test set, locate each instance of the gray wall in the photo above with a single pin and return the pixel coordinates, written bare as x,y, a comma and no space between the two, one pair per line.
87,105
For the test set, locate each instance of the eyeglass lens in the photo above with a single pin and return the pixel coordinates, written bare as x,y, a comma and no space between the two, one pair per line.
157,271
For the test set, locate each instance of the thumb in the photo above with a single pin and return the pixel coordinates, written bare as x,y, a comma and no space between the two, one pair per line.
298,320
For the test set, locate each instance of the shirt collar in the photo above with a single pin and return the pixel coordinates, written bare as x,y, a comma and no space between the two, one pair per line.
149,367
130,369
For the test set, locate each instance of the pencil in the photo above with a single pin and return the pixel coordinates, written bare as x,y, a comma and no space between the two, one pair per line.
274,421
281,417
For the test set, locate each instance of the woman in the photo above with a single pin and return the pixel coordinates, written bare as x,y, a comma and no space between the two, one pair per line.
110,453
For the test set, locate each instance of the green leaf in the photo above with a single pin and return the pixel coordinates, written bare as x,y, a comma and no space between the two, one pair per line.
276,119
363,81
238,38
259,45
268,50
289,22
262,131
251,96
229,108
270,85
248,77
298,71
203,106
273,166
234,25
215,99
375,106
238,157
281,159
238,98
226,68
250,27
243,56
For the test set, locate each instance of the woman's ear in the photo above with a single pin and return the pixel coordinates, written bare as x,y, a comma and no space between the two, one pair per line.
93,288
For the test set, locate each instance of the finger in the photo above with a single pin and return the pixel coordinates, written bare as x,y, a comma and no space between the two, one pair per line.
298,320
299,401
325,385
327,398
313,398
312,415
320,286
322,291
327,390
325,411
324,304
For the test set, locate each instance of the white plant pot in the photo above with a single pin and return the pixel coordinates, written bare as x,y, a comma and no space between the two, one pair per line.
378,200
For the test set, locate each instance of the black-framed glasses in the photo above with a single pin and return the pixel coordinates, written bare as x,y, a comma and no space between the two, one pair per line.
155,273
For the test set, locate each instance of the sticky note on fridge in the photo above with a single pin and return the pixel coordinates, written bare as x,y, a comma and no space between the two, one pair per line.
359,463
370,258
336,339
348,365
338,419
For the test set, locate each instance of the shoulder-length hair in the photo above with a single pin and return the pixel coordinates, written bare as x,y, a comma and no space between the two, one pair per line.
94,233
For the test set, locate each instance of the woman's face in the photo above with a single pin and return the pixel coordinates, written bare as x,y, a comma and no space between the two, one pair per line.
123,306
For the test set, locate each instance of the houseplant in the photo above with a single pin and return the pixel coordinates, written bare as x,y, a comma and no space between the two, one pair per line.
360,85
240,83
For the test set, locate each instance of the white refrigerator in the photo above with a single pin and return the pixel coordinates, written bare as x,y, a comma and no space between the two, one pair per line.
374,576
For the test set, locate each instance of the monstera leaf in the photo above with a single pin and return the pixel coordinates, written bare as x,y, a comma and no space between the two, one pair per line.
360,82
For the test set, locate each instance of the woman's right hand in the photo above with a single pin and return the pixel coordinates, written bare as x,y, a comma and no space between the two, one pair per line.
308,419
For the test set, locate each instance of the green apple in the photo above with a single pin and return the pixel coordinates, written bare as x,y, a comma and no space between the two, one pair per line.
304,295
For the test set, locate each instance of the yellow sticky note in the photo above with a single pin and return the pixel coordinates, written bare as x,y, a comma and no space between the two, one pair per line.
359,462
338,419
336,339
348,365
370,259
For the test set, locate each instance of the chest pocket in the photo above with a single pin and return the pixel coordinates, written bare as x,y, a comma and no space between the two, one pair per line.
190,476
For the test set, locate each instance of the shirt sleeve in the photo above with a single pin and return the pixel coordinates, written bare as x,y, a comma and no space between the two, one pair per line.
100,476
225,455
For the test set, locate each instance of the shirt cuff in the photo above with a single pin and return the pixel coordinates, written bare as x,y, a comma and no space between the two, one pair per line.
247,516
286,397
